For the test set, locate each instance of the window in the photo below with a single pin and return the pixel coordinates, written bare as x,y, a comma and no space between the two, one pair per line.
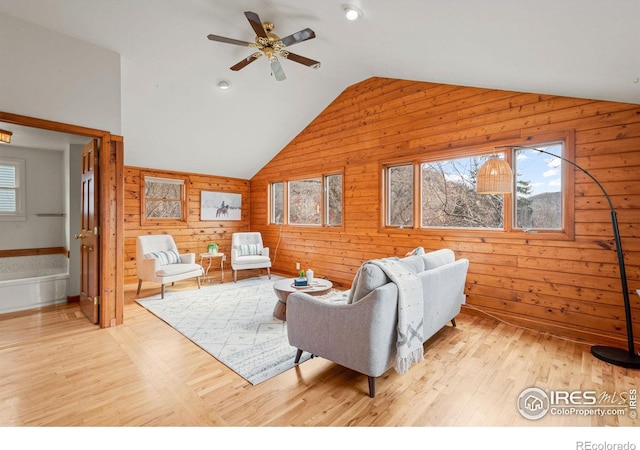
163,199
305,198
447,198
12,192
333,207
538,180
277,203
315,201
400,196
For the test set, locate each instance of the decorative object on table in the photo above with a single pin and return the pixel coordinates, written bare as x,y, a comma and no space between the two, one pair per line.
301,280
309,275
503,184
220,206
212,248
233,323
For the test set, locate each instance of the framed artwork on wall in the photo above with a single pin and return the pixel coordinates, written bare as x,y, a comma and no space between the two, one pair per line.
220,206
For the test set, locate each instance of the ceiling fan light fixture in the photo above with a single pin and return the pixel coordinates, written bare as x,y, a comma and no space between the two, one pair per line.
223,85
351,12
5,136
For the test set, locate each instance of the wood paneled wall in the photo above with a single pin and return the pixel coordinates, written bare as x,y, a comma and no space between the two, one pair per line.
192,235
570,288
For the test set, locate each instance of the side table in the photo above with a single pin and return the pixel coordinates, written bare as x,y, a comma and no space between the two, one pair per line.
285,287
211,257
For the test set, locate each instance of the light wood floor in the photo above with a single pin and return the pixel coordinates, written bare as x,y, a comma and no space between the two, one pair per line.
56,369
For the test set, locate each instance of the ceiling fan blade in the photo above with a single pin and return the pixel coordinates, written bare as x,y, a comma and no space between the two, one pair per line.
300,36
227,40
245,62
256,24
276,69
303,60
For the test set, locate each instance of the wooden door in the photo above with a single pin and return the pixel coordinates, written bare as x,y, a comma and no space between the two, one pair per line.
89,248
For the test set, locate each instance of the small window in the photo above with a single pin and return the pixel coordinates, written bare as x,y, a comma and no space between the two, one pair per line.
277,203
164,199
12,192
400,196
333,197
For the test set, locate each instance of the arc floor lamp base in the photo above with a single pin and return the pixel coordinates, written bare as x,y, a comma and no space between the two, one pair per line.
616,356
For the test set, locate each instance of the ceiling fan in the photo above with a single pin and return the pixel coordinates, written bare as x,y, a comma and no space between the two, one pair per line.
270,45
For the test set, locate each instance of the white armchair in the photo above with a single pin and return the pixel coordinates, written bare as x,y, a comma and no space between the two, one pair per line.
247,252
158,260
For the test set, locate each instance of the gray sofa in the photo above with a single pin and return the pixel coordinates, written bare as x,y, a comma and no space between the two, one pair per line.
360,333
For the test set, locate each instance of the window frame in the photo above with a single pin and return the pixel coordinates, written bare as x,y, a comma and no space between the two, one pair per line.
566,232
324,201
19,165
182,180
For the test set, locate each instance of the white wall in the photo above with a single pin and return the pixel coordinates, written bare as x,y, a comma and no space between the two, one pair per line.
51,76
45,193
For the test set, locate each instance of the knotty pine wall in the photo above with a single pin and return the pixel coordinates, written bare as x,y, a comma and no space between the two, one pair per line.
192,235
570,288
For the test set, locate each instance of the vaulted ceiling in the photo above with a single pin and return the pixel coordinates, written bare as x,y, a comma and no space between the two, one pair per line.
175,118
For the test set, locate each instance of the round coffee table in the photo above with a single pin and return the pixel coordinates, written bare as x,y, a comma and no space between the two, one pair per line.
285,287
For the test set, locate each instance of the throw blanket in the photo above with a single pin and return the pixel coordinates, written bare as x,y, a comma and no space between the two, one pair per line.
410,312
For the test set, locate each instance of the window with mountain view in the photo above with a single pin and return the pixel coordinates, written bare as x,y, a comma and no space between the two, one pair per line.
538,179
447,196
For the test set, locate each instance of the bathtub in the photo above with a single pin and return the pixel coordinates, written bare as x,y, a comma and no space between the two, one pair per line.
28,282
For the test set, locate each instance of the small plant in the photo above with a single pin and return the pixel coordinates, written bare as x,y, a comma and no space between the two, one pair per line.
302,274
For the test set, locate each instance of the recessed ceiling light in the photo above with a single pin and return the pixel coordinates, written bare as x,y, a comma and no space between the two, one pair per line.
224,84
351,12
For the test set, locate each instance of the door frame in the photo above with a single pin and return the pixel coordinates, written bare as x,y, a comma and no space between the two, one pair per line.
111,204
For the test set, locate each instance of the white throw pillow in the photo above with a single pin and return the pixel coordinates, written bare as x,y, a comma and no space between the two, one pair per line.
164,257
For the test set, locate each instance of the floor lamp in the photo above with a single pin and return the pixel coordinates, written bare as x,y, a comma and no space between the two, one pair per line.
496,177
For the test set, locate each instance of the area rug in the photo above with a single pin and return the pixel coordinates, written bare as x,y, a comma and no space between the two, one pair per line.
234,323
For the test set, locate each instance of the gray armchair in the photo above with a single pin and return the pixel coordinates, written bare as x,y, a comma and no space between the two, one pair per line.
361,334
